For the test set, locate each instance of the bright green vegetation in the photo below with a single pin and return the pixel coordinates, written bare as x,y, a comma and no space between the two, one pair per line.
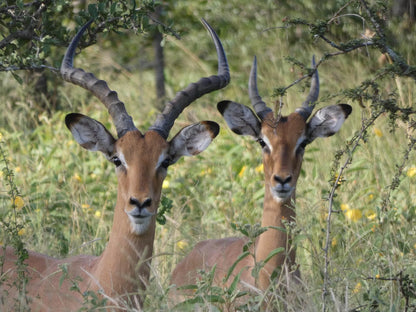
69,193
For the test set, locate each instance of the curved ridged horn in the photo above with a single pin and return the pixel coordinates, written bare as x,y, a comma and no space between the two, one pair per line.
308,105
174,108
259,106
122,121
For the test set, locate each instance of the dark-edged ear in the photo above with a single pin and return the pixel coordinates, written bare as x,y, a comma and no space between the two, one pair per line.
192,140
241,119
90,134
327,121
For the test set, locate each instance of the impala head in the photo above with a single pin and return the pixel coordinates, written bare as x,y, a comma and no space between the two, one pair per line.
283,139
142,159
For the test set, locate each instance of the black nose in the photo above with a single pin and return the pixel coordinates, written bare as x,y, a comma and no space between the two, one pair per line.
135,202
282,181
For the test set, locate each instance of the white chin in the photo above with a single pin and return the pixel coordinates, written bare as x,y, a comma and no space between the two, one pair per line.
140,226
281,196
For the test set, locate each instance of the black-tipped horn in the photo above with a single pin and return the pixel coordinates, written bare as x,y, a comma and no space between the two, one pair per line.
309,104
259,105
174,108
99,88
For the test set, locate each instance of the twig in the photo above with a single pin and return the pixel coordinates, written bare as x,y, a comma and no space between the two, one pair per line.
335,185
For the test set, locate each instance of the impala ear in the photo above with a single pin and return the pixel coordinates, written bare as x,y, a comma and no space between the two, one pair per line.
192,140
327,121
90,134
240,118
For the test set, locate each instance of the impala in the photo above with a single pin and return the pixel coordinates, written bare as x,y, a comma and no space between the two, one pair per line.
122,271
283,141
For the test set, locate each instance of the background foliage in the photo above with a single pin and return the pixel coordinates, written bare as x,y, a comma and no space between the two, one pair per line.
356,201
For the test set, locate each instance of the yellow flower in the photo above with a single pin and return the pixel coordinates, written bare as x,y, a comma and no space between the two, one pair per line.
17,169
353,214
371,215
241,173
205,172
345,207
377,275
85,206
97,214
378,132
77,177
182,244
334,242
259,168
411,172
165,184
21,232
340,180
1,136
18,202
357,288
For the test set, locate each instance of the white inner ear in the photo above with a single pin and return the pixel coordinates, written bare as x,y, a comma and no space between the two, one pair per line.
198,143
241,120
329,121
190,141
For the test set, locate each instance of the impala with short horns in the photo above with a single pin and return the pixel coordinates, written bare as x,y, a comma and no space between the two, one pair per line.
122,271
283,140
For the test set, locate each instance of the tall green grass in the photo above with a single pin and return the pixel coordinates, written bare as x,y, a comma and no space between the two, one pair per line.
69,194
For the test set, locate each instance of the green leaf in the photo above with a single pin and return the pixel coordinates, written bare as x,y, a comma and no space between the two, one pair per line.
274,253
231,269
92,10
17,77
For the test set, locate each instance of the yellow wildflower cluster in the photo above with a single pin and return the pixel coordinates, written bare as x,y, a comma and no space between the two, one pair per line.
378,132
97,214
357,288
411,172
182,244
241,173
165,184
351,213
77,177
18,202
259,168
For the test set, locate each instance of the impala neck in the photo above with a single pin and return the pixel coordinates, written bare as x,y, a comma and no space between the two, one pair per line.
276,214
124,266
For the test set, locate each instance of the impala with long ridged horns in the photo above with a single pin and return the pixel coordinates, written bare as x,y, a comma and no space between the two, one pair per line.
283,141
122,271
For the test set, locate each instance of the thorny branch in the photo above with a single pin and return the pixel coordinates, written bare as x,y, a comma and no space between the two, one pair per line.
355,141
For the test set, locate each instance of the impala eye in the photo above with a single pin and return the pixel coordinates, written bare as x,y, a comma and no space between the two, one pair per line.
264,146
302,146
261,142
116,161
165,164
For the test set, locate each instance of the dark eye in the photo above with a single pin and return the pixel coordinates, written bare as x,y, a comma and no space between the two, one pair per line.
263,146
261,142
165,164
301,147
116,161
